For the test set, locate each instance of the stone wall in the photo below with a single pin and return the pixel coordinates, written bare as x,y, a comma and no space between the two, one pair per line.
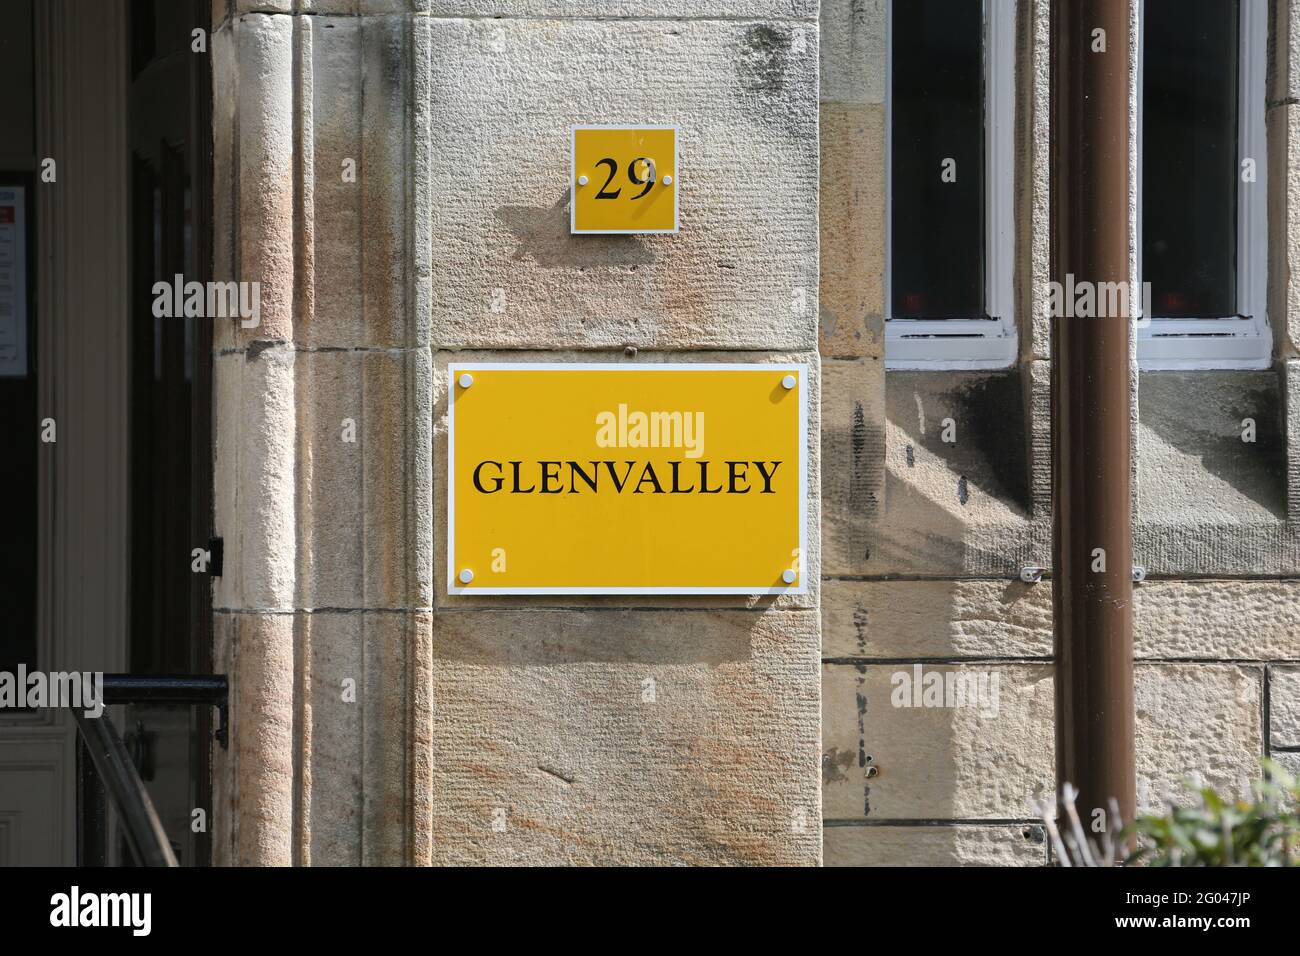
499,730
924,539
493,730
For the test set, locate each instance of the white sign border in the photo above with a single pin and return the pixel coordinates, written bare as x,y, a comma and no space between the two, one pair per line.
573,185
453,373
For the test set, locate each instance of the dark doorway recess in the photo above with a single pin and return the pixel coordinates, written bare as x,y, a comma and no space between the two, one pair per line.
19,386
170,406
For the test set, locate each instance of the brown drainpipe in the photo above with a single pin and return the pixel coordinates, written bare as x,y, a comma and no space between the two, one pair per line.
1092,610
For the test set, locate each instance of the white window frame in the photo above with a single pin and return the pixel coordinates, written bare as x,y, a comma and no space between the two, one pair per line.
967,343
1242,341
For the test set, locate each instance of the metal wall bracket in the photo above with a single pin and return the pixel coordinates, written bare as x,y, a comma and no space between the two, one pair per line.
216,556
222,733
1033,575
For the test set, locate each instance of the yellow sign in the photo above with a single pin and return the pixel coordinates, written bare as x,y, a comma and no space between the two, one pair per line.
624,180
626,479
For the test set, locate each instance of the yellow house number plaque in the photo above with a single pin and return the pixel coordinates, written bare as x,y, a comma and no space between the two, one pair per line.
624,180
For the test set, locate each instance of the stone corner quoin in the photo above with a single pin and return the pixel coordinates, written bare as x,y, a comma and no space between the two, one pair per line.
485,729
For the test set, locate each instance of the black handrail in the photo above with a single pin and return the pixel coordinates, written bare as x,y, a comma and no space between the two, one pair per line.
165,689
144,831
212,689
106,768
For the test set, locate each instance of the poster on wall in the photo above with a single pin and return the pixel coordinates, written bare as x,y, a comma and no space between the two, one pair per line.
589,478
13,282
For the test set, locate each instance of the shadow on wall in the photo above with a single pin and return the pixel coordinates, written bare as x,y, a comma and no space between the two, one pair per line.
542,234
555,637
986,441
956,461
1196,460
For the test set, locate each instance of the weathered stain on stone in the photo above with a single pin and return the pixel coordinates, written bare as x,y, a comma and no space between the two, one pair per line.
859,431
865,442
860,627
835,764
764,59
863,757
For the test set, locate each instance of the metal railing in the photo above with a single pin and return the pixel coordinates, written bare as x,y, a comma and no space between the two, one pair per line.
106,771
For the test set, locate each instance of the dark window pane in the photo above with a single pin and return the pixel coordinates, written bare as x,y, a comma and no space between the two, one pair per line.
1189,157
20,407
937,106
20,426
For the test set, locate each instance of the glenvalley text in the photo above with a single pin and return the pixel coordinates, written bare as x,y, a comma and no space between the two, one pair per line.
626,477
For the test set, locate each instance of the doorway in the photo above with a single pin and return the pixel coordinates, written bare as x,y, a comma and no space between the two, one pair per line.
105,126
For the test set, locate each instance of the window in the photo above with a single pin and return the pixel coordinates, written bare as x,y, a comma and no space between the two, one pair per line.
1203,228
949,121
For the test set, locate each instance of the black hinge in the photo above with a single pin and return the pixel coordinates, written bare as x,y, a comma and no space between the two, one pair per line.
216,553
